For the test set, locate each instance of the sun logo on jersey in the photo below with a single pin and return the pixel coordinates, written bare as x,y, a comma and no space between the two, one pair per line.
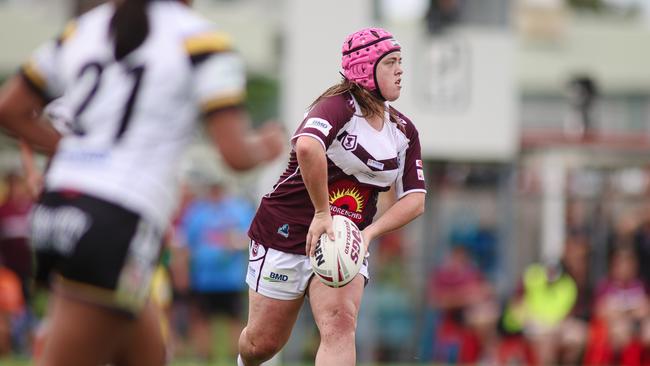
349,199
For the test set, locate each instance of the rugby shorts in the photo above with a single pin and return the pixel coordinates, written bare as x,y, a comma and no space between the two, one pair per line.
104,253
280,275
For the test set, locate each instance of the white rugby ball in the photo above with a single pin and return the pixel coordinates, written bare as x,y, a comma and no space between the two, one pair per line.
337,262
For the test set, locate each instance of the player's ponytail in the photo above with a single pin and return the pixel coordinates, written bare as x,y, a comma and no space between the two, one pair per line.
129,26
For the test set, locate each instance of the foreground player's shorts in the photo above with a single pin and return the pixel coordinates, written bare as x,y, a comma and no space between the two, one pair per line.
102,252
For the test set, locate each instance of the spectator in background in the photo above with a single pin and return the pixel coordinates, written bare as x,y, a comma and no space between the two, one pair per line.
623,308
573,337
11,307
582,94
642,247
16,254
468,310
14,230
479,238
540,308
215,226
179,273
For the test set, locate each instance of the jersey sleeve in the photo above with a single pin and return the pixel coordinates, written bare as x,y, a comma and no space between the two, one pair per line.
325,119
411,175
41,71
219,73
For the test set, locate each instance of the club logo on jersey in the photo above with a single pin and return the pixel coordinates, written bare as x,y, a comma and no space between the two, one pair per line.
349,142
319,124
420,174
284,230
418,163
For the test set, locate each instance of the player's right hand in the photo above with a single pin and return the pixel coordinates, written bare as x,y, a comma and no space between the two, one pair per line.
320,224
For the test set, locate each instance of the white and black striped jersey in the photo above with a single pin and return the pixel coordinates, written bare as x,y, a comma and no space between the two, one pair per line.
129,122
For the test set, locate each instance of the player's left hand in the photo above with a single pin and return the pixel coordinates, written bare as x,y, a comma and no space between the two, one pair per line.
367,238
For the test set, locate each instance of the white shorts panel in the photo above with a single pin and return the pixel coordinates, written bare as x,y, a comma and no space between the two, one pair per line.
280,275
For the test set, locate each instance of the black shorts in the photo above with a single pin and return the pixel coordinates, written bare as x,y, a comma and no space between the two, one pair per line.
105,253
217,303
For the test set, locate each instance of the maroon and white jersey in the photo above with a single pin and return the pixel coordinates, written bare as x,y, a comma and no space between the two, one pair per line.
361,162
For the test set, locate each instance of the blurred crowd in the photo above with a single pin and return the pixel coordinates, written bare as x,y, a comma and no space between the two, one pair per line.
561,312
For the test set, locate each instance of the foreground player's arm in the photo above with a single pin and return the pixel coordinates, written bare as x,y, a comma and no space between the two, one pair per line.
20,111
240,146
401,213
33,176
219,87
313,168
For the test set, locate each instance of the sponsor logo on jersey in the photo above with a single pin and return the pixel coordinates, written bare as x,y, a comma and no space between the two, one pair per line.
420,174
319,124
354,216
276,277
418,163
284,230
375,164
349,142
255,249
347,202
349,199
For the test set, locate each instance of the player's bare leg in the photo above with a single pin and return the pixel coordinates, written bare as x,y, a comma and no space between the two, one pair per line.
82,333
269,326
144,343
335,312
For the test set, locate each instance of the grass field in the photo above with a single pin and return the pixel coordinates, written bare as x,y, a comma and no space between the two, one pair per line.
24,362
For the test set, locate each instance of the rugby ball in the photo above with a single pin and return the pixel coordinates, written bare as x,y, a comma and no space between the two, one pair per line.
337,262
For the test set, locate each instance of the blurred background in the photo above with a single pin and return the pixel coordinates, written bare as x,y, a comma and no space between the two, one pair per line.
534,119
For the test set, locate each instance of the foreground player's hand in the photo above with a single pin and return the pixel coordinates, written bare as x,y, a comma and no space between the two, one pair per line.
320,224
272,139
34,183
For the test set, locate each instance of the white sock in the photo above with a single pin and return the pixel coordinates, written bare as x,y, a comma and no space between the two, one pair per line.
240,362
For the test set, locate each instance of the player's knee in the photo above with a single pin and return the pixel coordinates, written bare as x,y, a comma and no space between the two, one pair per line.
259,348
264,350
338,324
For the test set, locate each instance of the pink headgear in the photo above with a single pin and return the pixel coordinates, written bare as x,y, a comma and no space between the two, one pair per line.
362,51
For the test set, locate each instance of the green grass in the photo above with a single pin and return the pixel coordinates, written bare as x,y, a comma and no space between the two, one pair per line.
24,362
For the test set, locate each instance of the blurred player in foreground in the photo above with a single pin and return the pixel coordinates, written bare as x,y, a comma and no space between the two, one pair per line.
130,79
351,145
